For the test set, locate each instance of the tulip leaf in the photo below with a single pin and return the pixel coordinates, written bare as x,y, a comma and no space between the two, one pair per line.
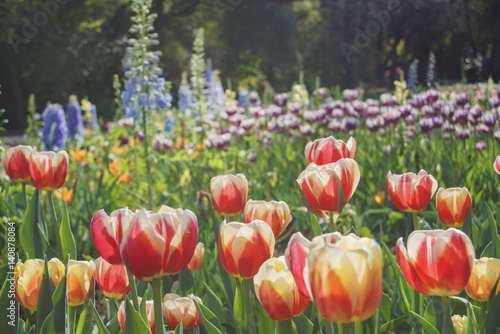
264,321
304,325
186,281
143,311
49,250
471,325
84,325
209,321
314,225
45,304
467,226
29,234
399,276
228,287
179,329
98,320
488,250
214,304
60,312
492,321
67,239
396,325
9,305
494,233
113,326
426,326
133,320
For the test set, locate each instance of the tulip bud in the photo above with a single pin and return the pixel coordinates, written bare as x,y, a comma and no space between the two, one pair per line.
80,280
16,163
324,151
48,170
112,279
244,247
275,214
452,205
28,279
459,324
485,273
436,262
149,311
229,193
411,192
176,308
277,291
496,164
197,260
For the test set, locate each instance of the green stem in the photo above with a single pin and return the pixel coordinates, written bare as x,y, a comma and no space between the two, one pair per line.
146,156
346,327
52,209
484,308
72,319
415,220
328,327
447,322
333,223
285,327
247,297
25,194
133,290
158,300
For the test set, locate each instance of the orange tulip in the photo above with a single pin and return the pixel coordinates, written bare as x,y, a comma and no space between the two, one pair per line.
28,279
277,291
149,311
48,170
66,195
80,280
197,260
485,273
296,256
324,151
275,214
78,155
452,206
411,192
345,278
159,244
437,262
176,308
108,231
328,188
229,193
244,247
496,164
112,279
16,163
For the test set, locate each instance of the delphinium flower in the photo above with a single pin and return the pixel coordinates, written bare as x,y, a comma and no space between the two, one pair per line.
242,96
75,125
198,78
54,115
215,92
413,75
184,103
431,69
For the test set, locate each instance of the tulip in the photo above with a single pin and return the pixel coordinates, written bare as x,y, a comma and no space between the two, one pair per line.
459,324
345,278
485,273
453,204
16,163
112,279
437,262
411,192
324,151
329,187
108,231
80,280
197,260
159,244
496,164
244,247
275,214
149,311
28,279
176,308
66,195
48,170
296,256
277,291
229,193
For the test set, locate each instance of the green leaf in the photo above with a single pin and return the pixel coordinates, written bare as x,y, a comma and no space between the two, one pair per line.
396,325
214,304
494,233
264,321
9,308
45,304
186,281
179,329
60,312
49,250
100,324
314,225
29,234
228,286
492,321
399,276
304,325
67,238
426,326
208,320
84,325
133,320
467,227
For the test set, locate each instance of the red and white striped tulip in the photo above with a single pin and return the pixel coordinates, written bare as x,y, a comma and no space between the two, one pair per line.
229,194
159,244
277,291
328,188
149,311
48,170
112,279
296,256
411,192
16,163
324,151
275,214
177,308
452,206
484,276
496,164
244,247
436,262
345,278
197,260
